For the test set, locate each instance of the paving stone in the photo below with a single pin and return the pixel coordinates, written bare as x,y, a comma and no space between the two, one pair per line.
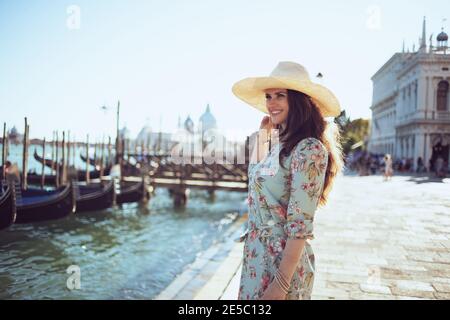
374,288
410,298
412,293
341,285
441,287
370,296
414,285
442,295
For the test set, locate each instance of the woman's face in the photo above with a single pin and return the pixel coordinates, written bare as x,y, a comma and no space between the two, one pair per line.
277,105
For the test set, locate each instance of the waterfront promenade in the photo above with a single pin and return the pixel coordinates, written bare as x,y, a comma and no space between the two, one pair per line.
374,240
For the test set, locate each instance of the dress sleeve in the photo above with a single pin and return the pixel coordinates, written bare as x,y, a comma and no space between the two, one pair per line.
307,175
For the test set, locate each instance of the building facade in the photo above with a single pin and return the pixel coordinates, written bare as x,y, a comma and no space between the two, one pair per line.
411,104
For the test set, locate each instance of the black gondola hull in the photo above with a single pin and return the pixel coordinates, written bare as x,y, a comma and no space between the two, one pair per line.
34,178
7,208
56,205
133,193
96,200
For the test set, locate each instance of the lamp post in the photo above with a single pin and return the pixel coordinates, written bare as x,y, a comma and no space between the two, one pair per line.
105,109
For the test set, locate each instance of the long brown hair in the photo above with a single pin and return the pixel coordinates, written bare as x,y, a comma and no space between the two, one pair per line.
304,120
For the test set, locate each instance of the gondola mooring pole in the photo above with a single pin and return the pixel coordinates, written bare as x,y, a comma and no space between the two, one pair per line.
53,171
4,152
87,160
43,166
74,152
57,160
68,150
121,159
63,160
102,157
110,162
128,149
25,156
117,134
95,154
7,148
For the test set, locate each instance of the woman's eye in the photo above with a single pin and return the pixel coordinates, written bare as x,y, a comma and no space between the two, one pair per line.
268,97
280,95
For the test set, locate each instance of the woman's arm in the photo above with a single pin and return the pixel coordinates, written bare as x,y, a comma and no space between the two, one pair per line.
291,255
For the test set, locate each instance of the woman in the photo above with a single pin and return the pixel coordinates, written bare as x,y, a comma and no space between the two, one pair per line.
287,184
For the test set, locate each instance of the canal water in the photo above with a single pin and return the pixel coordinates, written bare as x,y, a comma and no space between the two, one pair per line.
132,252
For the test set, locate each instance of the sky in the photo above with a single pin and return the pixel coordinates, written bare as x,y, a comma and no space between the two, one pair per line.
61,61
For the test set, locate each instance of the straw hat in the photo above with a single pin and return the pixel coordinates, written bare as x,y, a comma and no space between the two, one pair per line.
287,75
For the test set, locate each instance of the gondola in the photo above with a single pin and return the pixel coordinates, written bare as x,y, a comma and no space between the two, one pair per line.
106,169
91,161
94,196
131,192
128,169
50,179
35,205
34,178
7,206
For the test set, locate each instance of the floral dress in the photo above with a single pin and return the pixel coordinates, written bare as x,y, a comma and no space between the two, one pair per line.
282,202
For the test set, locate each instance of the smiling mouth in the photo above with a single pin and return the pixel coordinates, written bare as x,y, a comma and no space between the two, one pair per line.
274,113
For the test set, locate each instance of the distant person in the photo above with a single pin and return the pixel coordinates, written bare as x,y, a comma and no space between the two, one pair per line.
431,165
373,165
440,168
388,171
420,165
12,173
288,182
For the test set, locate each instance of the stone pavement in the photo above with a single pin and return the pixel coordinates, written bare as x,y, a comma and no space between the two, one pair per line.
374,240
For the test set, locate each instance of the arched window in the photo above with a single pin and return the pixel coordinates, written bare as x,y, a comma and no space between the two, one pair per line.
442,95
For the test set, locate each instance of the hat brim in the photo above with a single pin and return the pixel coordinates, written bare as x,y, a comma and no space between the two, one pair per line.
251,91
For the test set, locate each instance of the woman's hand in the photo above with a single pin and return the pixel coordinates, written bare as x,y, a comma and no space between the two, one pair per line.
273,292
266,123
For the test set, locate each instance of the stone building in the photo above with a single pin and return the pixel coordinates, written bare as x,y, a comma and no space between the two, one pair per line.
411,104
